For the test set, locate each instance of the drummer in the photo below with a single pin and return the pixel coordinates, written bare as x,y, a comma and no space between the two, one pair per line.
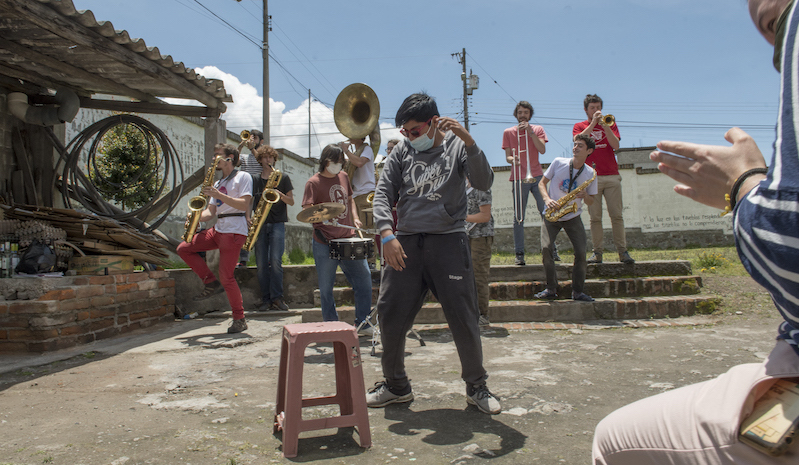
331,184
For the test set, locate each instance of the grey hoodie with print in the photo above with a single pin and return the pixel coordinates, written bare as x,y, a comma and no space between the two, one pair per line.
429,187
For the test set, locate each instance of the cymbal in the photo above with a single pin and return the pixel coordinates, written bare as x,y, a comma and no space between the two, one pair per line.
321,212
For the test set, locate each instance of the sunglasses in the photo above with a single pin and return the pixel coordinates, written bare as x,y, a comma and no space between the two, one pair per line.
415,132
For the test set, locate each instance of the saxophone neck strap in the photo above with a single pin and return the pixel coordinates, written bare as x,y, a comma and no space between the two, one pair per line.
572,177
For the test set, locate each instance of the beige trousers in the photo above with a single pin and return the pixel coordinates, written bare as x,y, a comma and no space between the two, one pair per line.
609,188
696,424
481,262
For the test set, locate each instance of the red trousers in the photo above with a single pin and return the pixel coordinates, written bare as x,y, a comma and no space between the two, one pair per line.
229,246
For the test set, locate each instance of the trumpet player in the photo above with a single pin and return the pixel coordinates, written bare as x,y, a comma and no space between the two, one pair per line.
271,241
606,137
230,199
522,144
563,176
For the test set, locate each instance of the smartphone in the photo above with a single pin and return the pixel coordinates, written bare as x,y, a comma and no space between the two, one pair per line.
772,426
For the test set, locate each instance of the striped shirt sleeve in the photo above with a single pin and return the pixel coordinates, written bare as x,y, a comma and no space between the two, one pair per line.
766,223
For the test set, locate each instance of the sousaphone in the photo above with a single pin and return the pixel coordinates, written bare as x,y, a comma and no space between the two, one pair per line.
356,113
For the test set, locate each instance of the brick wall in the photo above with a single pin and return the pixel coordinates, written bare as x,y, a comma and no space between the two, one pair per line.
82,309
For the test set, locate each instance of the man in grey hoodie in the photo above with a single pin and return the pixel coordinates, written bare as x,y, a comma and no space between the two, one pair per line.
429,250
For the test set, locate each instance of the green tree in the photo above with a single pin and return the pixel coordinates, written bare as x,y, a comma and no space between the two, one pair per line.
125,168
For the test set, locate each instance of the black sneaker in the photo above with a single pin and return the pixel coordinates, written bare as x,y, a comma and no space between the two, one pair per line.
278,304
582,297
555,256
625,258
520,259
237,326
210,289
547,294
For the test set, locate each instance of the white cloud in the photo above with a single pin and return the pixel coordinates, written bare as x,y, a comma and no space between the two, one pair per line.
289,128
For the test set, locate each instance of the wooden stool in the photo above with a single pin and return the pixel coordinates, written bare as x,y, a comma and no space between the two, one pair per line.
350,393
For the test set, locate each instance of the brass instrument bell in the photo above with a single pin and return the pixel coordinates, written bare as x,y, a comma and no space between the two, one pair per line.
607,120
356,113
245,135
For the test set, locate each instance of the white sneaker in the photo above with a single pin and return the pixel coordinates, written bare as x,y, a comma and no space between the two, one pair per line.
367,331
484,400
380,396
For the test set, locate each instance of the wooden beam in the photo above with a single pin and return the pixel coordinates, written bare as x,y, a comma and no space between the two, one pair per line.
52,21
61,68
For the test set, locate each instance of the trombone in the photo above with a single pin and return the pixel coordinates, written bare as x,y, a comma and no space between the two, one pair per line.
518,210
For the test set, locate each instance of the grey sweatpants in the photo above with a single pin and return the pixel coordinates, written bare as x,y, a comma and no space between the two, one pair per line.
442,264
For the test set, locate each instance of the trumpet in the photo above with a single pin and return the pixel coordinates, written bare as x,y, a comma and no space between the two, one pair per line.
518,211
245,135
607,120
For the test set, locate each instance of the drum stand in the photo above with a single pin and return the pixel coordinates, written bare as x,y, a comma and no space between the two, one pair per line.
376,331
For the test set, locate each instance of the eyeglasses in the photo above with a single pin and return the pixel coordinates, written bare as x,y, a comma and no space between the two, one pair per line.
415,132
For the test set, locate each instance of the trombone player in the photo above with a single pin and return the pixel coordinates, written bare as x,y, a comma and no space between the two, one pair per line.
522,144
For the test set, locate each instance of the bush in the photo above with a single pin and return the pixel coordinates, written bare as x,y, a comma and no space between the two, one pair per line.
711,259
296,256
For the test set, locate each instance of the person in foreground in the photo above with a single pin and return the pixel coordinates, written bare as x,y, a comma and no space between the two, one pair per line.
231,197
562,177
425,176
699,424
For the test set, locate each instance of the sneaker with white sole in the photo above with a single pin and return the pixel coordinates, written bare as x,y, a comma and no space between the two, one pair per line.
380,396
367,331
484,400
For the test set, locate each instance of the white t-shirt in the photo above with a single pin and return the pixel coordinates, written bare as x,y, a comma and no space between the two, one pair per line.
558,175
236,186
363,181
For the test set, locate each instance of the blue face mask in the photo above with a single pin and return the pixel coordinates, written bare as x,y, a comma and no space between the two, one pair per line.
422,143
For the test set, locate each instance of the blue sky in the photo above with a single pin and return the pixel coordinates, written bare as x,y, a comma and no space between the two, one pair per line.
668,69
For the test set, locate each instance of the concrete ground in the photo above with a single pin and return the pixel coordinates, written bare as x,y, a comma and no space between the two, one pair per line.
188,393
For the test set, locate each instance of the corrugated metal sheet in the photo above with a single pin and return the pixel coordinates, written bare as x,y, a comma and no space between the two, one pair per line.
48,43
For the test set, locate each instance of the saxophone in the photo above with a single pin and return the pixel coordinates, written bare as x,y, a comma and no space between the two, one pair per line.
198,203
269,197
565,205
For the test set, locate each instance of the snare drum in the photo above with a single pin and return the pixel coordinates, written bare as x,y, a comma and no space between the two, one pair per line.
352,248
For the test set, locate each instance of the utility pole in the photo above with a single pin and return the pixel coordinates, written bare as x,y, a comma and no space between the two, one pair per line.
265,51
309,123
469,85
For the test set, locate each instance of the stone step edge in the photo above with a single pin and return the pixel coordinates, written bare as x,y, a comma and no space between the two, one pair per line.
563,310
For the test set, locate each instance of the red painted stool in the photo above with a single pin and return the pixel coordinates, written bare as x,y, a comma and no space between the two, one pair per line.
350,392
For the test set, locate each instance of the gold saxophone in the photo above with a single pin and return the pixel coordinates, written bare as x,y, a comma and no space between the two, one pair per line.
198,203
269,197
565,205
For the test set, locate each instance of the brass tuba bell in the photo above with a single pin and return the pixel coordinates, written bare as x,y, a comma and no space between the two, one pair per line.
356,113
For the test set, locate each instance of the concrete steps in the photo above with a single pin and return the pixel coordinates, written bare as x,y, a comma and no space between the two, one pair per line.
560,310
644,290
597,288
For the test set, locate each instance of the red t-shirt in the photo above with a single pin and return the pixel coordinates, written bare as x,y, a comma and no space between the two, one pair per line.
603,155
510,139
320,189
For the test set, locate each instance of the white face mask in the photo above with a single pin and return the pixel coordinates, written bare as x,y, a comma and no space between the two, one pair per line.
334,168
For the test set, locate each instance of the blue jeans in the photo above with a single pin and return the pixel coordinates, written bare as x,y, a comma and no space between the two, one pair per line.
518,226
357,273
269,249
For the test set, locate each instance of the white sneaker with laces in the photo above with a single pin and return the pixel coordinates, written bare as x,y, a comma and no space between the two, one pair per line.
380,396
484,400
